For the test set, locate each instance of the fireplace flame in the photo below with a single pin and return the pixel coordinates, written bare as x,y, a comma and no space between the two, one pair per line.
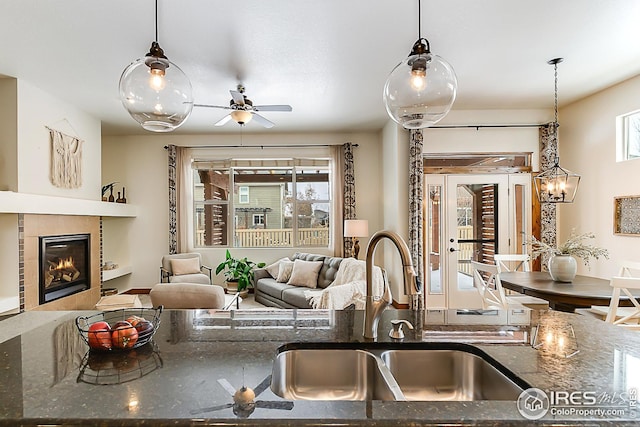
64,264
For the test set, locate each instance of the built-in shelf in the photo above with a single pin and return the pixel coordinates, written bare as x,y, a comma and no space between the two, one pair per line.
116,272
12,202
9,303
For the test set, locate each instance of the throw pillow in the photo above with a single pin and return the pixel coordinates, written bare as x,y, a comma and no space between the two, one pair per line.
305,273
182,266
285,270
273,269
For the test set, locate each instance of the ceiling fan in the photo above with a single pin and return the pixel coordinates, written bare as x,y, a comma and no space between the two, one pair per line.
243,110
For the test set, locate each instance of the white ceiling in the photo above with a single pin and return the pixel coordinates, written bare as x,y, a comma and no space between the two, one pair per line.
328,59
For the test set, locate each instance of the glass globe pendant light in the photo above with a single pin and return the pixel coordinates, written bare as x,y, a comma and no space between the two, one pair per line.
556,184
155,91
420,90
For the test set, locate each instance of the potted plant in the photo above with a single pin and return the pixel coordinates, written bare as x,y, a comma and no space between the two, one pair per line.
562,264
238,273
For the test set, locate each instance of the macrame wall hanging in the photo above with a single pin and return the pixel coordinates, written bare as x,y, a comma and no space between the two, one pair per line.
66,159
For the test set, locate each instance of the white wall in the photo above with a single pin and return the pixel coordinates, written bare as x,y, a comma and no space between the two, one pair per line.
489,140
8,134
37,109
395,203
587,141
140,164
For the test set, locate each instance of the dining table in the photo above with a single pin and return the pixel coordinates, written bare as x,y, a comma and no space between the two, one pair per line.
582,292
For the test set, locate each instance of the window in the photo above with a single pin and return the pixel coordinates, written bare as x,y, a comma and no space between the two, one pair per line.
628,136
258,220
290,203
243,194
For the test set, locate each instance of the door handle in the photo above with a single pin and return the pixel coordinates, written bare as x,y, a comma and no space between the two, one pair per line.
454,250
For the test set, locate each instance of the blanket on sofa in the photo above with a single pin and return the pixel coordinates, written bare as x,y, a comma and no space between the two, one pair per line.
349,287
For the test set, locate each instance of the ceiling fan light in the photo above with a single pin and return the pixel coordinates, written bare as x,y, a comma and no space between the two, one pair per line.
242,117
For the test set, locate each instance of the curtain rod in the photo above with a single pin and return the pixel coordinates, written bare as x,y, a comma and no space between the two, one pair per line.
260,146
476,127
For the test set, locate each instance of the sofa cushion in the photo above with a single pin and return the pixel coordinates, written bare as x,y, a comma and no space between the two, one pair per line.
296,297
269,286
201,278
185,266
285,271
273,268
329,271
305,273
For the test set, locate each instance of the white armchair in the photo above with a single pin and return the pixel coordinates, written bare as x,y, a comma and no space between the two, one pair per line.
184,268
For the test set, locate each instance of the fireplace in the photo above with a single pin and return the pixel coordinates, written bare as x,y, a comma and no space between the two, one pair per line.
64,266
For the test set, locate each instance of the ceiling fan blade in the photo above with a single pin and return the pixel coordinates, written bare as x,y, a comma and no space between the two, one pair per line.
238,98
212,106
263,385
210,409
272,108
227,386
285,406
223,121
264,122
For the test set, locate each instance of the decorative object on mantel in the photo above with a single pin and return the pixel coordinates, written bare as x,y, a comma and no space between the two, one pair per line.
626,215
562,264
108,187
420,90
122,199
155,91
66,159
556,184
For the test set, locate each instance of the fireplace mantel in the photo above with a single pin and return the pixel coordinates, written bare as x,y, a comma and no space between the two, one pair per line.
12,202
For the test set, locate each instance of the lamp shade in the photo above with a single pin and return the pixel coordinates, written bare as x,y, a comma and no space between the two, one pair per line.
356,228
156,93
241,117
420,91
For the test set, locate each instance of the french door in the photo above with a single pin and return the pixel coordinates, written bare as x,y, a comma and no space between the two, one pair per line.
471,217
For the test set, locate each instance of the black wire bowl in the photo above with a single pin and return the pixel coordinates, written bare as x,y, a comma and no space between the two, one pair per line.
152,315
107,368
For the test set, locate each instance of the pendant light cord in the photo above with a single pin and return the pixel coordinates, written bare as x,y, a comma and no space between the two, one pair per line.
555,69
419,20
156,20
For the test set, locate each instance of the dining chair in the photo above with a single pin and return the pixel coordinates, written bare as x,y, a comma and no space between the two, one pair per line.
624,316
629,269
512,262
519,262
486,279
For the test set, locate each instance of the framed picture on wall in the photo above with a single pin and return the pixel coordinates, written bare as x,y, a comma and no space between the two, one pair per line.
626,215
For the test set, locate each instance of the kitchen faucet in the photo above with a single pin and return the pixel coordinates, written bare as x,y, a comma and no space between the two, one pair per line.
375,307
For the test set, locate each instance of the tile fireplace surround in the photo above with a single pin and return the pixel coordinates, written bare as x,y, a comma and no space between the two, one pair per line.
32,227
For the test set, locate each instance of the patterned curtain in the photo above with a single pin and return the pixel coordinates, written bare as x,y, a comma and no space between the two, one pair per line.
173,200
349,190
416,191
548,154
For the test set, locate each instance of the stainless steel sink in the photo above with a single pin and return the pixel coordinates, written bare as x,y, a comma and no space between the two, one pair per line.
335,374
448,375
422,373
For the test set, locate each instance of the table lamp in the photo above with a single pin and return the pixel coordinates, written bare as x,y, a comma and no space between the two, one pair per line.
356,228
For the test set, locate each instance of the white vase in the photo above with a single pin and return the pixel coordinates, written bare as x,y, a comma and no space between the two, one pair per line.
562,268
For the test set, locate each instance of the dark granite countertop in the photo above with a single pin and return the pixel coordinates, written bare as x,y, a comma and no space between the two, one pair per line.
186,374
